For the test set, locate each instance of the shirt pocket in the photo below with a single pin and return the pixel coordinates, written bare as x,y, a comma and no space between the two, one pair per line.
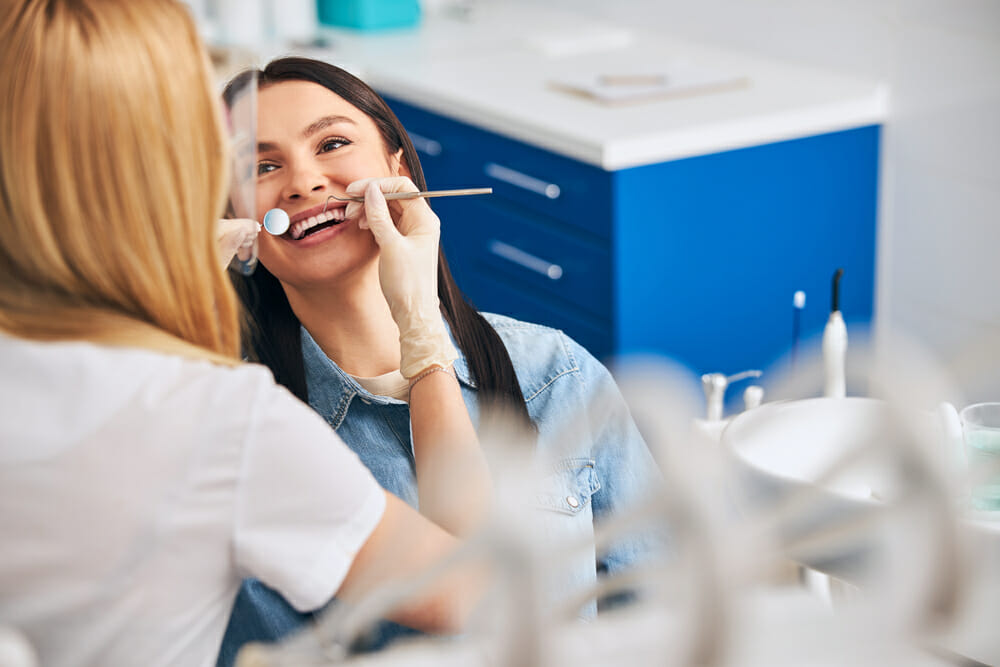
568,489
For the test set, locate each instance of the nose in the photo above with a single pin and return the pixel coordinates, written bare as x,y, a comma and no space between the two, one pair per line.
304,181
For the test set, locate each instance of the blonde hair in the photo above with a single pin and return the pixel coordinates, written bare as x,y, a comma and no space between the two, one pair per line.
113,172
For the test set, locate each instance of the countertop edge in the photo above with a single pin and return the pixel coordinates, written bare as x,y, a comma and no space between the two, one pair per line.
614,155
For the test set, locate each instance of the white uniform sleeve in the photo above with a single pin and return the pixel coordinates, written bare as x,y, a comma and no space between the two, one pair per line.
305,503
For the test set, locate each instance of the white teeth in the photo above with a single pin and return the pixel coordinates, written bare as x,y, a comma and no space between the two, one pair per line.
298,229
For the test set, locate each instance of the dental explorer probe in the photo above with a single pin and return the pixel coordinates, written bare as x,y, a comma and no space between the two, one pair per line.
276,221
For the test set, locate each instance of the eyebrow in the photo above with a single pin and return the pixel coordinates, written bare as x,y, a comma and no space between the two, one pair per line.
325,122
311,129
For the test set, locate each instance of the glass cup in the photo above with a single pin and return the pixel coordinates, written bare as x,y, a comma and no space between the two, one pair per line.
981,432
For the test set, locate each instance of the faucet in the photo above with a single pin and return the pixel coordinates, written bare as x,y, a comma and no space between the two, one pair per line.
715,385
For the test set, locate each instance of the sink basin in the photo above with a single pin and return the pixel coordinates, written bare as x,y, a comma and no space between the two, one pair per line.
830,463
796,441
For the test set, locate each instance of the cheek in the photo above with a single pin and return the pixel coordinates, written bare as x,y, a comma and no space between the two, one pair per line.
267,249
266,196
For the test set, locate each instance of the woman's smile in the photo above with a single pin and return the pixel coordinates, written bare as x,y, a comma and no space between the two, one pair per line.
314,220
317,235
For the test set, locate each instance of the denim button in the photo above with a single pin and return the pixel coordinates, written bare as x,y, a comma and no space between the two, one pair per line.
573,502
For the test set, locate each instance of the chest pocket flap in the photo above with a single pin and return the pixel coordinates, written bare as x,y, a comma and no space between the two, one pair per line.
569,488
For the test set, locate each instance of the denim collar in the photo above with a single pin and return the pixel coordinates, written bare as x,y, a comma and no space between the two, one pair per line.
331,390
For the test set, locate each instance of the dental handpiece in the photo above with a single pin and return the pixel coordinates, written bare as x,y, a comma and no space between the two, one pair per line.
277,222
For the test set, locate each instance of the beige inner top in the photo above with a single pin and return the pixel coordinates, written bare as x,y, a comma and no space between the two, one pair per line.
391,384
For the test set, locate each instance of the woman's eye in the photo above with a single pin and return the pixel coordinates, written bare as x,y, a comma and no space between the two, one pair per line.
265,168
332,144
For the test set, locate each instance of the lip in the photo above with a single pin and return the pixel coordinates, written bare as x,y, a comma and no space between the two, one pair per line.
316,210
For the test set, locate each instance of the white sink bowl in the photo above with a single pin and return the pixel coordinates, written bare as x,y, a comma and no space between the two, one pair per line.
787,450
796,441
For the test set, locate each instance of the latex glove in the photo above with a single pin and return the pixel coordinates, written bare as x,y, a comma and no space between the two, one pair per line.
236,238
407,269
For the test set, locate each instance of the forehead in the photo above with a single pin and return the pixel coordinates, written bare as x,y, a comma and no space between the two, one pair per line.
289,107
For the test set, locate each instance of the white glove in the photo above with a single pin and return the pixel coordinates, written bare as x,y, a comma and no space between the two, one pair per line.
407,269
236,237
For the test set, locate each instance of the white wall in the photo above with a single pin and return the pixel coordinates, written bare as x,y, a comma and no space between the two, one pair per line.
845,34
939,265
941,277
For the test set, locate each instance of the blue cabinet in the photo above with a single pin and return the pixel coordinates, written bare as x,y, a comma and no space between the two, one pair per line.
696,259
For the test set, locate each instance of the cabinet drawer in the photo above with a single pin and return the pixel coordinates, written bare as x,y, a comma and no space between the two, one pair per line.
454,154
437,146
490,295
528,254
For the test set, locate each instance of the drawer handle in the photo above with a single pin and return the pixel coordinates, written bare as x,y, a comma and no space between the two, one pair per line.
526,260
425,145
516,178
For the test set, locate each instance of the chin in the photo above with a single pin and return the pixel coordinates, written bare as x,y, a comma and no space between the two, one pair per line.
334,270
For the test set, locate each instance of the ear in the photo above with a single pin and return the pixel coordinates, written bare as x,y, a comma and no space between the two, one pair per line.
399,166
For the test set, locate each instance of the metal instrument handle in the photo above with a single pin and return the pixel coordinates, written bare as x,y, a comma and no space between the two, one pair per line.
522,180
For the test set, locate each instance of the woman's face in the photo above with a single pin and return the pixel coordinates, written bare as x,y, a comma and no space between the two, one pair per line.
311,143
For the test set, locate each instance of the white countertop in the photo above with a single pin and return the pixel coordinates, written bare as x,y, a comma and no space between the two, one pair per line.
494,69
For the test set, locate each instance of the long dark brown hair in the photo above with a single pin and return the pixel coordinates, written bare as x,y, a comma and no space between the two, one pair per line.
273,335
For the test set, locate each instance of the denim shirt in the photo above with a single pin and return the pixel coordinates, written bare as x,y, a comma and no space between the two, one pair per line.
606,468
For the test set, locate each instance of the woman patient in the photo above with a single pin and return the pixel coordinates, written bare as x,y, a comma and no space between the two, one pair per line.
322,325
145,471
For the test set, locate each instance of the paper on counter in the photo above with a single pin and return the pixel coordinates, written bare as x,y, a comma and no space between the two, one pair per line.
642,85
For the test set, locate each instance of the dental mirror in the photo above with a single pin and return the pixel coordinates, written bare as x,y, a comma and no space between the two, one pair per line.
276,222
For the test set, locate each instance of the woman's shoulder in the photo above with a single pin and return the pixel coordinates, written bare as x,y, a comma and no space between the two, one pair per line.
527,341
132,389
124,368
540,354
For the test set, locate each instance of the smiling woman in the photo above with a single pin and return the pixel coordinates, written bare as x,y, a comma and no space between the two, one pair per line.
323,322
294,94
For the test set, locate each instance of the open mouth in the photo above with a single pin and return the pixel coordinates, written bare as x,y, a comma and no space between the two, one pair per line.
303,228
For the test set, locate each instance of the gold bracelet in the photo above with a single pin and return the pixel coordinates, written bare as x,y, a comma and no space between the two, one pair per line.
433,369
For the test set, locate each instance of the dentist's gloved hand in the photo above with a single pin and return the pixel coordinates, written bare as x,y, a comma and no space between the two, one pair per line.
236,238
407,269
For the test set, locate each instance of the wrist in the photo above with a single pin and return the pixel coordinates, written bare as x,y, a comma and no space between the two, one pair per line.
430,370
421,348
416,362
